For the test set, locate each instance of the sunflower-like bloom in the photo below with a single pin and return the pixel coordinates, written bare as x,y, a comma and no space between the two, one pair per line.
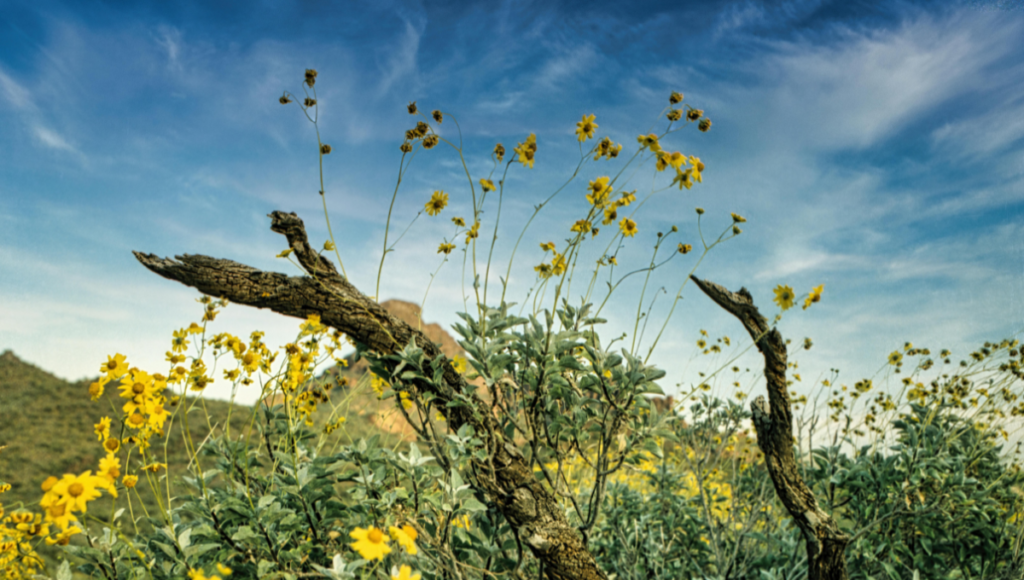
438,201
784,297
406,537
814,296
628,227
585,128
371,544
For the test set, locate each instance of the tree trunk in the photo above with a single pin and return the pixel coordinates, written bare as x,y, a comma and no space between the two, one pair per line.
826,543
504,477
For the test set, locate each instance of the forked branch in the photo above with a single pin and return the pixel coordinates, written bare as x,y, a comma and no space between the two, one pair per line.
826,543
505,477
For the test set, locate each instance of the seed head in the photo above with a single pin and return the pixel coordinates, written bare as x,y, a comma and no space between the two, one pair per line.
325,149
700,211
430,141
310,77
412,108
704,125
284,100
309,102
437,116
406,147
675,98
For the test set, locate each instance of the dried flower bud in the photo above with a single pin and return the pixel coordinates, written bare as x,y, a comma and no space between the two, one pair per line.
406,147
693,114
410,135
430,141
674,115
685,248
325,149
309,102
700,211
499,151
675,98
421,128
704,125
738,218
284,100
437,116
310,76
675,229
412,108
736,230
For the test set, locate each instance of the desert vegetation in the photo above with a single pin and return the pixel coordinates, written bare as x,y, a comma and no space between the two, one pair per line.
546,450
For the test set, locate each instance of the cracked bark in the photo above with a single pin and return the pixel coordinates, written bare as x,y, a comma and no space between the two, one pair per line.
505,477
773,421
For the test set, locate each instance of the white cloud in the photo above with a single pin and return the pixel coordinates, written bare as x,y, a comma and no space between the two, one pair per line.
14,93
53,140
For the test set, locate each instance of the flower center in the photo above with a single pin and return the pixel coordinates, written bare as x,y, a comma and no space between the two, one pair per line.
138,388
137,419
111,444
375,536
76,489
57,510
111,365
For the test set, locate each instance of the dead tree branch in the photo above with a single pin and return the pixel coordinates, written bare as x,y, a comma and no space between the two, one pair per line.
826,543
505,477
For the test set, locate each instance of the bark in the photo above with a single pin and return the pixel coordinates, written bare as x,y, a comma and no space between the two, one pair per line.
505,477
826,543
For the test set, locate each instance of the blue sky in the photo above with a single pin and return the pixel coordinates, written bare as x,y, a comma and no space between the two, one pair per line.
875,148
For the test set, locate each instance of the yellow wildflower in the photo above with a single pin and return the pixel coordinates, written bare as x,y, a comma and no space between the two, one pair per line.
585,128
406,537
404,573
371,544
814,296
628,227
438,201
784,297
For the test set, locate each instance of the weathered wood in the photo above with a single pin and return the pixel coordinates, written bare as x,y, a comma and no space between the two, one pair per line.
504,477
826,543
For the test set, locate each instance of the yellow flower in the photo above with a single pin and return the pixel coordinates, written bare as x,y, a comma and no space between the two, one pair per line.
610,213
223,569
102,429
404,573
676,159
112,445
814,296
438,201
626,199
784,297
697,166
547,246
558,264
895,357
650,141
115,366
585,128
599,192
487,184
499,152
129,481
526,151
543,269
704,125
110,468
406,537
371,544
683,178
154,467
473,232
283,254
628,227
96,388
581,226
685,248
693,114
738,219
378,384
445,248
675,98
459,221
76,491
459,363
